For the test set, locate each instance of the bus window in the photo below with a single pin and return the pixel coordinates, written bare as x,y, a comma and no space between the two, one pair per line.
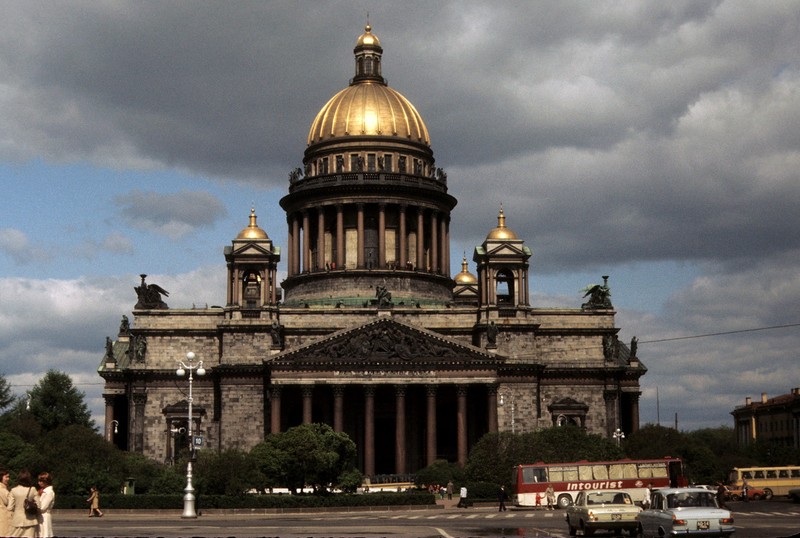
585,472
795,473
616,471
758,474
771,474
783,473
600,472
570,473
557,474
747,474
531,475
629,470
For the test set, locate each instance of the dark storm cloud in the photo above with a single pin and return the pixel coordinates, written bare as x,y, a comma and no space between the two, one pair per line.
173,215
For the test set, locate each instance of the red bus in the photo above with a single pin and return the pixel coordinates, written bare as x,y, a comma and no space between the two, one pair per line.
632,476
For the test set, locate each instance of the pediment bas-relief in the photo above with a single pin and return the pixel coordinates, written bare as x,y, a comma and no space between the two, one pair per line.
386,342
251,249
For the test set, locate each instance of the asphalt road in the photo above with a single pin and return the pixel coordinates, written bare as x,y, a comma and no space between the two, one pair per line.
762,519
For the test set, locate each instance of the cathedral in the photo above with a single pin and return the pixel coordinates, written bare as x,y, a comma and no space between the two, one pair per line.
369,332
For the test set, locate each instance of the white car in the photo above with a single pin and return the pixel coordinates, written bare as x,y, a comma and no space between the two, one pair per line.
605,509
684,512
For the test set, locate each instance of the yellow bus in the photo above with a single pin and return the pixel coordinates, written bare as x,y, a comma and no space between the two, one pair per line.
773,480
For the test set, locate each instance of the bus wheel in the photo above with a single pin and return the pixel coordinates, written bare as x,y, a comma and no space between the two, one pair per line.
564,501
767,493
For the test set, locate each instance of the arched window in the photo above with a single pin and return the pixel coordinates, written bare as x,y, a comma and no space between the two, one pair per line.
504,290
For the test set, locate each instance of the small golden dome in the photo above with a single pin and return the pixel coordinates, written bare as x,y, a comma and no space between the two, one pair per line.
253,231
501,232
368,38
465,277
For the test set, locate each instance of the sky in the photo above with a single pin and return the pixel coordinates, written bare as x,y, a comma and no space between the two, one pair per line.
654,142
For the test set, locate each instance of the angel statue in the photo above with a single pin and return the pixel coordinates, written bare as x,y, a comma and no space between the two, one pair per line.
150,296
599,295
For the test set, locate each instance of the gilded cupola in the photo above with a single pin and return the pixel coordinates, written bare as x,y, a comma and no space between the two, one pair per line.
253,231
501,232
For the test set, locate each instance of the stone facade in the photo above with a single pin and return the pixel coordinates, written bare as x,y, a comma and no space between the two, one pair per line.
369,333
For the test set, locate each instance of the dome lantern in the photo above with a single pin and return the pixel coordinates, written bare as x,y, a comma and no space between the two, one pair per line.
368,53
253,230
501,232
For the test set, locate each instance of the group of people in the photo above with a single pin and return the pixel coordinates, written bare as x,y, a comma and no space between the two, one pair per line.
26,509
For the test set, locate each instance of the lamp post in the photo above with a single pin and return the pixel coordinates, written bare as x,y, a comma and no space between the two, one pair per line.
618,435
502,402
188,497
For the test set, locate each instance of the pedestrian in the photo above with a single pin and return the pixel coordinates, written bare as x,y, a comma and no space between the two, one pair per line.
449,490
550,494
94,499
46,501
648,493
722,492
23,522
5,515
462,500
745,487
502,496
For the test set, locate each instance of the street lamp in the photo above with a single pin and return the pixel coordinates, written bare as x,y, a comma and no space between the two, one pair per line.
188,498
513,406
618,435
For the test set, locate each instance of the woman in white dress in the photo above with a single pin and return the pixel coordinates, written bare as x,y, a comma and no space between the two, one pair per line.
46,499
5,515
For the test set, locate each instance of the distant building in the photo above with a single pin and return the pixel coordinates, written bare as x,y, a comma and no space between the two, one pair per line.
369,332
770,419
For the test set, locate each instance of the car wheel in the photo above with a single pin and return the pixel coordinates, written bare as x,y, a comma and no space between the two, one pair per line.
734,497
756,497
767,493
564,501
586,531
573,531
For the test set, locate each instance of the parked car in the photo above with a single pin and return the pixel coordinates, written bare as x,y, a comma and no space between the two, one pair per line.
794,495
685,512
609,509
753,494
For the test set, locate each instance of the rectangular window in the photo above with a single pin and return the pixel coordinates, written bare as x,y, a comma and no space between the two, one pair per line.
387,162
353,162
371,162
340,164
401,164
323,164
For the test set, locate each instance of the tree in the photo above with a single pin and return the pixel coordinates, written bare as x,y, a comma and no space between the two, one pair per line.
653,441
309,454
6,396
229,472
439,473
55,402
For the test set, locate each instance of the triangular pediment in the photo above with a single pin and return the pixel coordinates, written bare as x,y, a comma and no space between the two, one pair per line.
252,249
387,343
504,249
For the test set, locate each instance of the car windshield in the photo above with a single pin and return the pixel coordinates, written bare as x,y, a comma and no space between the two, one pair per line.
608,498
693,498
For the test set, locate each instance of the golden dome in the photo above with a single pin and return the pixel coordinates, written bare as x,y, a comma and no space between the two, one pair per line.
253,231
465,277
501,232
369,109
368,39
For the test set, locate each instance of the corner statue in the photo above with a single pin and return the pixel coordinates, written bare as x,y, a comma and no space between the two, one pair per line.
150,296
599,295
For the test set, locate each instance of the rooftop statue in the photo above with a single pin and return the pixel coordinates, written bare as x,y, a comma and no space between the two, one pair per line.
150,296
599,295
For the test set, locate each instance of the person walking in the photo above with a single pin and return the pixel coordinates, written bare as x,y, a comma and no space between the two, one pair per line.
94,499
46,500
5,515
449,490
462,500
722,492
23,522
745,492
502,496
550,495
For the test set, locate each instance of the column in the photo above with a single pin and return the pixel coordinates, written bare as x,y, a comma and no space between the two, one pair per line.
400,429
360,264
321,238
306,243
461,424
275,409
635,411
381,236
290,247
430,438
109,398
420,239
308,392
295,261
444,246
403,237
338,408
434,243
339,236
369,430
491,396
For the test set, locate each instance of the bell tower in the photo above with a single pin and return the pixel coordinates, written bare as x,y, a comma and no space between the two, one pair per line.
252,267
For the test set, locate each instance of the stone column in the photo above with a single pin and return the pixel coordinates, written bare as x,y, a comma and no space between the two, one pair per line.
306,243
339,236
491,396
369,430
400,429
136,433
635,411
109,427
434,242
381,236
403,237
420,239
290,247
430,444
321,238
275,409
295,261
338,408
444,248
361,253
308,393
461,424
